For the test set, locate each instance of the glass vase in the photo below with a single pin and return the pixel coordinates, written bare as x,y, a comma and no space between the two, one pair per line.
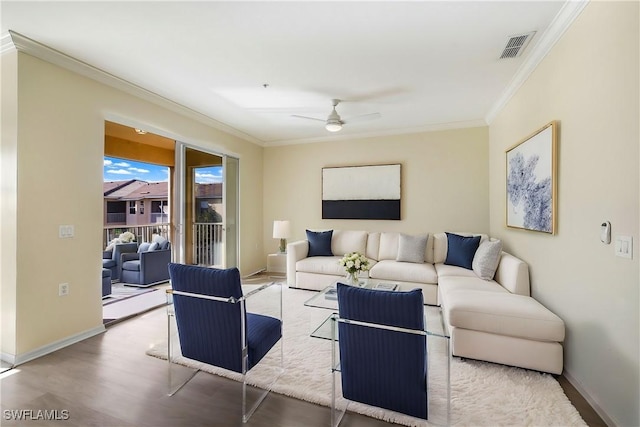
352,279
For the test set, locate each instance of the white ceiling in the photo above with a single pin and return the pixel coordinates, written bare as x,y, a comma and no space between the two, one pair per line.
421,65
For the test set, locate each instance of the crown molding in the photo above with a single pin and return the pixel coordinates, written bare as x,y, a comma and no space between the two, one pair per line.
31,47
390,132
549,38
6,44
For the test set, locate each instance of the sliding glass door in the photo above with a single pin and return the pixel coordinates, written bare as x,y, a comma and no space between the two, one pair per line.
207,194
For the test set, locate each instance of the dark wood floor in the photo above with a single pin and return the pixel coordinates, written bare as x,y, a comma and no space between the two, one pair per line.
108,380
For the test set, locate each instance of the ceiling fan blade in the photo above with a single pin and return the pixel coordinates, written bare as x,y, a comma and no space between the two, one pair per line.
363,117
308,118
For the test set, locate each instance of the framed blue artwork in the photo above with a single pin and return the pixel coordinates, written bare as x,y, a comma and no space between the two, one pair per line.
531,182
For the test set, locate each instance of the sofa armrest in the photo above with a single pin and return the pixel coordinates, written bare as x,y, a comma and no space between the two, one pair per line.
154,266
107,254
513,274
295,252
128,257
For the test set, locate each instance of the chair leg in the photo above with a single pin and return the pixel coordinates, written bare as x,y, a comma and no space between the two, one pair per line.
336,414
246,414
171,375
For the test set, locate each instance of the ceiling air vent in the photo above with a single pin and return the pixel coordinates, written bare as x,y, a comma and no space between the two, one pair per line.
516,44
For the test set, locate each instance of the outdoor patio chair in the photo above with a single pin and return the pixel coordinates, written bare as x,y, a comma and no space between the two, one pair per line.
112,259
382,349
214,327
148,267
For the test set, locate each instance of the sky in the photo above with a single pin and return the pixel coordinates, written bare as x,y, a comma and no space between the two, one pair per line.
120,170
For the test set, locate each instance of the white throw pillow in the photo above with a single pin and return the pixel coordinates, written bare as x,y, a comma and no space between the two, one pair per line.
485,261
412,248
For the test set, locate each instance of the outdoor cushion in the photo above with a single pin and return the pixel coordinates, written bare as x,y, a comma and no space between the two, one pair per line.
108,263
144,247
131,265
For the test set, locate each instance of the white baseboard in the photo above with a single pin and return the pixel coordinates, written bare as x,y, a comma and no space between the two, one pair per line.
593,402
50,348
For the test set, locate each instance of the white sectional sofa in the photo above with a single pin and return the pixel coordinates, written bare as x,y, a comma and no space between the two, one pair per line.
491,318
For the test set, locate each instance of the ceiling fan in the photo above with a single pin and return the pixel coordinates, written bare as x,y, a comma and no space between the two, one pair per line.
334,122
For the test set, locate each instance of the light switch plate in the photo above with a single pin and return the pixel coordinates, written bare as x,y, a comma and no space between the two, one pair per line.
624,246
66,231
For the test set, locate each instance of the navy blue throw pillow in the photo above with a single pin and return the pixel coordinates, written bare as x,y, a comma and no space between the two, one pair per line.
319,243
460,250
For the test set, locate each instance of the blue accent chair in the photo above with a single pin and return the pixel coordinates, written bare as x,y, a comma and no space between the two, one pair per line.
213,326
147,267
383,350
112,259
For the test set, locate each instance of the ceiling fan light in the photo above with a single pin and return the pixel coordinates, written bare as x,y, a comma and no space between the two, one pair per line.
333,126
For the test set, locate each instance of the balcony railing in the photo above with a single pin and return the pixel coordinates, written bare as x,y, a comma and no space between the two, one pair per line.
208,239
143,233
208,244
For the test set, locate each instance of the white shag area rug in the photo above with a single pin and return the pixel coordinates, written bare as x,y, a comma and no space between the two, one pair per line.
482,394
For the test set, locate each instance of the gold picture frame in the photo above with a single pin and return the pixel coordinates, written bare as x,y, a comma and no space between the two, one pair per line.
531,181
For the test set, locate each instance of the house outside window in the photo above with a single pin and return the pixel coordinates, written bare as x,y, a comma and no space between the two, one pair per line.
141,207
132,207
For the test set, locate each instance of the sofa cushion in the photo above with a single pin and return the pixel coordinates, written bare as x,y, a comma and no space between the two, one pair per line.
450,284
344,242
485,261
445,270
405,272
388,246
503,314
440,245
319,243
373,246
461,249
321,265
412,248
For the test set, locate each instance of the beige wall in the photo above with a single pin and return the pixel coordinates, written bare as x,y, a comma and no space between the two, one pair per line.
8,198
589,83
444,182
60,147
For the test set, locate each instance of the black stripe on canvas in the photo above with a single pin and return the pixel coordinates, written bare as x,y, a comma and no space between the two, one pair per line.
361,209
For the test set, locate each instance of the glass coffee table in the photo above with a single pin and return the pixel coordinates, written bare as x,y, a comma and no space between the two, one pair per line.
438,348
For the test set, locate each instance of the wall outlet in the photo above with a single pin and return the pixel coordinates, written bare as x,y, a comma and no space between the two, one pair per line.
63,289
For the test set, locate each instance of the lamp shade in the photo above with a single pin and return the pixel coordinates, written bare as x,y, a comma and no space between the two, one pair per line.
281,229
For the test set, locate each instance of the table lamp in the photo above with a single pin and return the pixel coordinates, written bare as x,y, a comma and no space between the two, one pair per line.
281,230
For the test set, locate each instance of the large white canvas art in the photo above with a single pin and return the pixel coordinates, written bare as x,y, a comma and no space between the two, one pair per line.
361,192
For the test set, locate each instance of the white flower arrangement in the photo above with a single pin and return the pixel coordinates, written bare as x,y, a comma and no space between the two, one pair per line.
354,263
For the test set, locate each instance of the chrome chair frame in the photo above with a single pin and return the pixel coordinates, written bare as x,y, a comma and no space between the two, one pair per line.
246,414
337,415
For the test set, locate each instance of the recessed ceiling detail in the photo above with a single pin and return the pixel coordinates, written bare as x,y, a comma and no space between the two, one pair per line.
516,45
